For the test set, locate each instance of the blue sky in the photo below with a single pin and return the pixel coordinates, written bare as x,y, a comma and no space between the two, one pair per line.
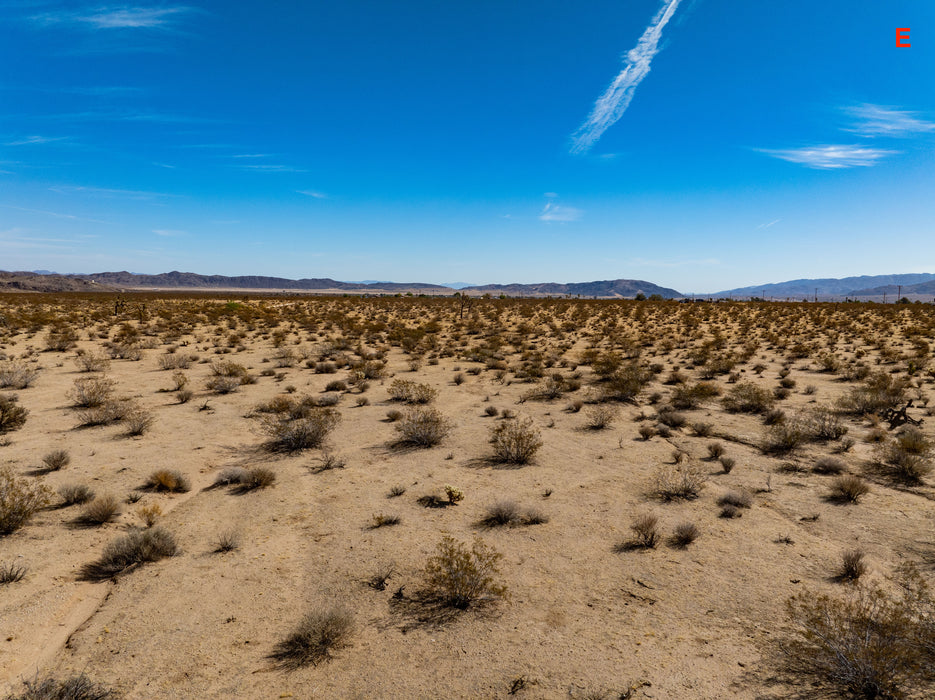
698,144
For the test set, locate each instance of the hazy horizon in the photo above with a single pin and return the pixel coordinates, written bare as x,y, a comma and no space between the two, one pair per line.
698,145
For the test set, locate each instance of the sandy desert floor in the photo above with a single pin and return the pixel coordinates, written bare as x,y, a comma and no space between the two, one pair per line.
585,615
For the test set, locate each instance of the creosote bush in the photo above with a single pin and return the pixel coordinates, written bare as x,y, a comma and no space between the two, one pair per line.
848,489
75,494
746,397
170,480
91,392
677,481
78,687
17,375
459,577
515,441
12,415
422,427
310,431
132,550
683,535
320,632
20,498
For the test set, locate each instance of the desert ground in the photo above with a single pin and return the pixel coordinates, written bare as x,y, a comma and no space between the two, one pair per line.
659,479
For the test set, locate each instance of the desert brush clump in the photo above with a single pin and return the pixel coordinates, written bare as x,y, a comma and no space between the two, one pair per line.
673,482
20,499
290,435
515,441
879,392
91,392
906,458
458,577
55,460
101,510
422,427
17,375
848,489
75,494
747,397
12,415
411,392
168,480
130,551
77,687
320,632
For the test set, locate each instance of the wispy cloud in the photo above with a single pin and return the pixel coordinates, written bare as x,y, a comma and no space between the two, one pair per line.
271,168
313,193
614,102
831,157
115,17
560,214
52,213
877,120
35,140
169,233
771,223
106,192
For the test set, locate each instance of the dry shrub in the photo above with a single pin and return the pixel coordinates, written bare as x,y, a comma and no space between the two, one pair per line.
17,375
645,531
907,458
848,489
170,480
318,634
78,687
824,424
422,427
625,383
149,514
138,421
746,397
715,450
692,396
256,478
132,550
75,494
677,481
20,498
113,411
11,572
92,362
829,465
737,499
459,577
303,433
785,437
91,392
671,418
12,415
727,464
647,431
601,416
411,392
227,541
501,513
383,520
223,385
55,460
101,510
60,338
879,392
683,535
515,441
865,644
852,566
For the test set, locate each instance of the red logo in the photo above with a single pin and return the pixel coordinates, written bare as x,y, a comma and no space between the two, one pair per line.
901,34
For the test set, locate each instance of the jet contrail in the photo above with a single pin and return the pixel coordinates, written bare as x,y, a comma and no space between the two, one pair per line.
615,100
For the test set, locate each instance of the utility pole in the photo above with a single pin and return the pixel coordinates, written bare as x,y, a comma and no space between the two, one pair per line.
816,295
899,292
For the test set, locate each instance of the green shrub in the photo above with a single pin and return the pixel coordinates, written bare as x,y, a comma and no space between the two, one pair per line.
20,498
880,391
459,577
746,397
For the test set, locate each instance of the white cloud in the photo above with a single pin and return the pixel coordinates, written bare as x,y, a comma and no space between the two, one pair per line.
877,120
555,212
115,17
830,157
313,193
270,168
614,102
771,223
35,140
169,233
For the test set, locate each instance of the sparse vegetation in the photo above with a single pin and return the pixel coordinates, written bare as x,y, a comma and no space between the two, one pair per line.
20,498
459,577
515,441
317,636
130,551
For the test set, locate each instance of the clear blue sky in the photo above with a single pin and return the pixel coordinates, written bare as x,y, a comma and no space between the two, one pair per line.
698,144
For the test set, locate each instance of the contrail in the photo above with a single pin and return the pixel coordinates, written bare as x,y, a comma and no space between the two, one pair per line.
615,100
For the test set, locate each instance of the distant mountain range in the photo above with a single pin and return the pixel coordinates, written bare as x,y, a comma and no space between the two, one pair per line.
863,286
921,284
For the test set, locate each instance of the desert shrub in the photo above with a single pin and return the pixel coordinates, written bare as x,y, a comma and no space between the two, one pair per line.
729,511
302,433
727,464
138,421
91,392
411,392
863,645
774,416
737,499
336,385
396,491
683,535
601,416
646,431
131,550
149,514
169,480
491,411
12,415
459,577
852,566
20,498
319,633
101,510
715,450
55,460
92,362
515,442
78,687
746,397
184,395
671,418
60,338
824,424
423,427
702,429
677,481
829,465
625,383
17,375
692,396
645,531
325,367
501,513
75,494
223,385
256,478
879,392
227,541
907,458
11,572
383,520
848,489
174,361
112,411
782,438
